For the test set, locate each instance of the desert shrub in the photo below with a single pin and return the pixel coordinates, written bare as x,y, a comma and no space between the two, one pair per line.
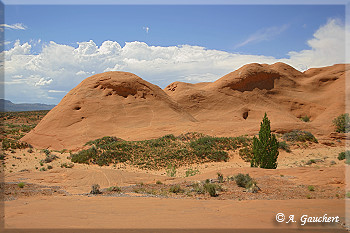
46,151
265,148
8,143
305,118
198,188
211,189
42,169
284,146
114,189
244,181
95,189
84,156
103,141
190,148
343,155
191,172
311,188
220,177
311,161
246,153
171,170
342,123
30,150
67,165
159,182
49,158
299,136
21,184
176,189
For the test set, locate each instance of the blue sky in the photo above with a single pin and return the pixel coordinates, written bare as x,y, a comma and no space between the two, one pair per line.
220,27
50,49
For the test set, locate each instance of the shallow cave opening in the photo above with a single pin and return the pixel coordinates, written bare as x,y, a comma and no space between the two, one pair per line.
77,108
245,115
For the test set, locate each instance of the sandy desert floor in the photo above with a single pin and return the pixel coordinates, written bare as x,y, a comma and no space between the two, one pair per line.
59,197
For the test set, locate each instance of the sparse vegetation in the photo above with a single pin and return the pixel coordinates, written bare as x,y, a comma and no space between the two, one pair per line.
191,172
246,153
49,158
176,189
284,146
114,189
344,155
21,185
211,189
15,125
244,181
171,171
299,136
347,195
198,188
311,188
158,153
95,189
305,118
8,143
67,165
159,182
342,123
220,177
265,148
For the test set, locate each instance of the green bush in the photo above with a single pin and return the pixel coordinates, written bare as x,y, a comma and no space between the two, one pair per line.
220,177
244,181
46,151
95,189
305,118
211,189
21,185
311,188
49,158
191,172
284,146
246,153
190,148
299,136
114,189
67,165
342,123
343,155
171,171
265,148
176,189
8,143
198,188
84,156
159,182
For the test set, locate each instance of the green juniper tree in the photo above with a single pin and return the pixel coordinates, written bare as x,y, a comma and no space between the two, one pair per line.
265,148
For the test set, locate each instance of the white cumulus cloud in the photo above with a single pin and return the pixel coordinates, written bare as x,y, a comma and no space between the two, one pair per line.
35,77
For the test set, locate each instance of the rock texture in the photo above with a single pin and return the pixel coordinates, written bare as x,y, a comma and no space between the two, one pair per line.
124,105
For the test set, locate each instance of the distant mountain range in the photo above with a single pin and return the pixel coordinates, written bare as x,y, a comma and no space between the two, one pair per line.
8,106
